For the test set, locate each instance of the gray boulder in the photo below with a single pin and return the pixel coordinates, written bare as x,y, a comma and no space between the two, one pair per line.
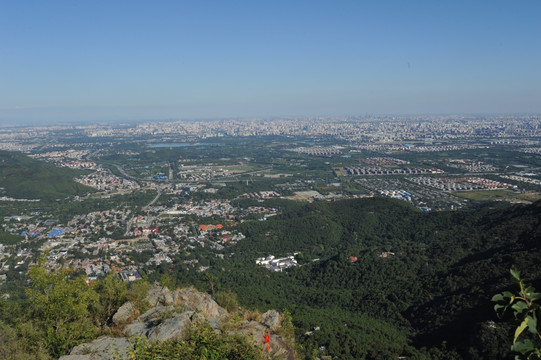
103,348
255,333
159,295
154,313
124,313
272,319
171,316
144,323
174,328
138,329
193,300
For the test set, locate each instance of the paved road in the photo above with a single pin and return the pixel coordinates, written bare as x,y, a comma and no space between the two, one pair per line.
154,200
123,172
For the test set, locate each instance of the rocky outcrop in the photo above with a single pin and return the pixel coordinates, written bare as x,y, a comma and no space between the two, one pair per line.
171,315
272,319
124,313
198,301
174,328
255,332
190,298
103,348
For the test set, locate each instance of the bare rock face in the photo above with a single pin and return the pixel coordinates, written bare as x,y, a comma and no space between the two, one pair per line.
174,328
103,348
255,332
154,313
190,298
146,322
196,300
170,317
124,313
272,319
159,295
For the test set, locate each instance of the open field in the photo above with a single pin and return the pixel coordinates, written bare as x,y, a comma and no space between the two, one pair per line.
498,195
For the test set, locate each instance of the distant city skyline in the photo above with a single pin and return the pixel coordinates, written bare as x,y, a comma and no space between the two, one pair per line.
117,61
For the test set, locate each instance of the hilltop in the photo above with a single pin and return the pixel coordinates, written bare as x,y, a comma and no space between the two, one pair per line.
385,272
68,317
187,323
22,177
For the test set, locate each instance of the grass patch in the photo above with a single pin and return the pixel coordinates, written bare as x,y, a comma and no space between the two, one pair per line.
498,195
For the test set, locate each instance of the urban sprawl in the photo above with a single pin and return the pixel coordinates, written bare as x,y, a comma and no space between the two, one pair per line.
197,201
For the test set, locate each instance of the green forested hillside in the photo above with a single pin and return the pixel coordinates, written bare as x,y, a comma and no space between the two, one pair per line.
378,278
430,299
22,177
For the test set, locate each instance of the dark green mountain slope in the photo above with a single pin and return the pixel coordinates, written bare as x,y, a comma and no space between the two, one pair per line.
25,178
434,289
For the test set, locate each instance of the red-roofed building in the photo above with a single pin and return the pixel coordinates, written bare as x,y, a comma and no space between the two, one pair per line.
210,227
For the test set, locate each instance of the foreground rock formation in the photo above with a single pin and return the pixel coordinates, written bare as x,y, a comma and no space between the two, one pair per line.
170,316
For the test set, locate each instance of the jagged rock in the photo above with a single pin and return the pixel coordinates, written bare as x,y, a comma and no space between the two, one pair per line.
195,300
190,298
103,348
255,332
124,313
174,328
171,315
160,296
251,330
144,323
138,329
154,313
272,319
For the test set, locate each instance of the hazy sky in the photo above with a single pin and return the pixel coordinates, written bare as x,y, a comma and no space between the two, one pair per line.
114,59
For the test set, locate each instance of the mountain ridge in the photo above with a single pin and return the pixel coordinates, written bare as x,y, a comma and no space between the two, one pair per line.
22,177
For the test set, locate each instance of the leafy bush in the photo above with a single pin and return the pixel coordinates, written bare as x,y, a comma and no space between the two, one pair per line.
63,310
201,342
59,308
527,310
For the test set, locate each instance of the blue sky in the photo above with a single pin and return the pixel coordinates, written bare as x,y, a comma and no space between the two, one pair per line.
120,60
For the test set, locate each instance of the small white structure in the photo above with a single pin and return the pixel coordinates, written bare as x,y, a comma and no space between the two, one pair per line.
277,264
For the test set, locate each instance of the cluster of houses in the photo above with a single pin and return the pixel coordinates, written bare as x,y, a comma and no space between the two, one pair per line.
104,180
260,195
85,242
323,151
379,161
461,184
210,208
376,170
78,164
397,194
472,166
61,156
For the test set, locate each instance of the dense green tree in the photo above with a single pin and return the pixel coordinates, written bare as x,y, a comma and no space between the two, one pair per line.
111,294
59,307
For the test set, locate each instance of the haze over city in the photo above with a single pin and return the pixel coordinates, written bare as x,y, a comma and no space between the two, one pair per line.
300,180
100,61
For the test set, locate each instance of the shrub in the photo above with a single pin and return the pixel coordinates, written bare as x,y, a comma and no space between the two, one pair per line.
201,342
228,300
527,311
